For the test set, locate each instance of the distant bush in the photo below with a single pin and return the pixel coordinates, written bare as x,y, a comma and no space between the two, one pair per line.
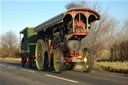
119,52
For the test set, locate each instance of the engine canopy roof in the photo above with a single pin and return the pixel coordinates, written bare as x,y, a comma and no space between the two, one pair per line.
59,18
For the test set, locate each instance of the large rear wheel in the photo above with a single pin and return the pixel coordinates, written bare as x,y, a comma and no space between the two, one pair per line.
41,55
87,60
58,60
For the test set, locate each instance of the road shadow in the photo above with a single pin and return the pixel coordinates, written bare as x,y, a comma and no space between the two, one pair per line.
18,64
13,64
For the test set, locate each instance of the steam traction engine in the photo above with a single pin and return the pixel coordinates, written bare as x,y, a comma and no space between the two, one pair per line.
58,41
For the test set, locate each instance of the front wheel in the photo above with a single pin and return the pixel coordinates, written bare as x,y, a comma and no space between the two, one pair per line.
58,60
87,60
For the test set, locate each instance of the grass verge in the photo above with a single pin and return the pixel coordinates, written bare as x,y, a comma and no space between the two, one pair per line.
10,59
118,67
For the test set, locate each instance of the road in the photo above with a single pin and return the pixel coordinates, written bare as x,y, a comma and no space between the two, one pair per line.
14,74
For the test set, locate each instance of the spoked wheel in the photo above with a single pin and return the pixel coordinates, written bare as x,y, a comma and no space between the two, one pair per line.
70,65
41,56
87,60
58,60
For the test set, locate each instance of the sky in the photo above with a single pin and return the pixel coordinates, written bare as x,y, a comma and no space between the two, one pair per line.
15,15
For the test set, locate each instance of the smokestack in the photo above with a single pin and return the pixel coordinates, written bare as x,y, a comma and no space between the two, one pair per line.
81,4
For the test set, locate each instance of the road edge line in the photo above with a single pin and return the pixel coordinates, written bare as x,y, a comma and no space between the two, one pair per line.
28,70
52,76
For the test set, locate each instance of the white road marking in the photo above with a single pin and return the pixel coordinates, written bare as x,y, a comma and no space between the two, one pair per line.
2,65
11,67
73,81
28,70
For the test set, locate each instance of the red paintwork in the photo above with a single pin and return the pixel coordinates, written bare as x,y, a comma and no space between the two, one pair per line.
51,47
74,54
79,26
51,51
77,33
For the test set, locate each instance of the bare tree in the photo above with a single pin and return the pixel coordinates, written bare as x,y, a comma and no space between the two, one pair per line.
119,48
9,44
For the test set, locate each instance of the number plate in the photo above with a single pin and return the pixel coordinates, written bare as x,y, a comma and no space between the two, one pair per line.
76,60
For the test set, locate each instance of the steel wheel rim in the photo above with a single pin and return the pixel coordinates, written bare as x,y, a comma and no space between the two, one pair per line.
39,59
56,61
85,65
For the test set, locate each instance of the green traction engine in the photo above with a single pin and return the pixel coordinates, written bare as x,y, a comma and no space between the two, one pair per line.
56,43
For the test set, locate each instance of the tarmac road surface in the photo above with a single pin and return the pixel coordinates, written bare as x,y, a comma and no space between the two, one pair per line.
14,74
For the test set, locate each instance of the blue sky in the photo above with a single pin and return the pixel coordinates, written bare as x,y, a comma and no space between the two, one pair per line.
17,14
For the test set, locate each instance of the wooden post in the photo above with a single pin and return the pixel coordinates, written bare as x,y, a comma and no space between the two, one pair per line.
79,17
87,23
73,25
